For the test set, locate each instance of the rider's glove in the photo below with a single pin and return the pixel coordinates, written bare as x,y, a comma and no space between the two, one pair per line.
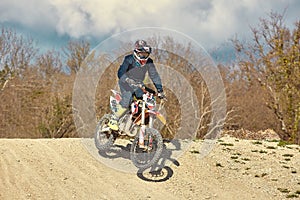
134,83
161,95
130,81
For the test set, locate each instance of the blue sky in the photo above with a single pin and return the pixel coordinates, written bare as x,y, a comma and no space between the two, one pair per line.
211,23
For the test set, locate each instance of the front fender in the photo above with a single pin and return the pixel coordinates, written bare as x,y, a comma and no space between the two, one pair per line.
159,116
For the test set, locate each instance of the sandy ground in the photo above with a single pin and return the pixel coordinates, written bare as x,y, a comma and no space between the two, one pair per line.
64,169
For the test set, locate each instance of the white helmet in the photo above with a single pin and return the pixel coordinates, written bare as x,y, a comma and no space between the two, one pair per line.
141,52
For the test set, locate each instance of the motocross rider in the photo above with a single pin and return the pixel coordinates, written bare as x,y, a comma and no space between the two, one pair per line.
131,73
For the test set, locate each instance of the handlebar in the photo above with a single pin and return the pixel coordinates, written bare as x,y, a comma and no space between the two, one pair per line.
146,89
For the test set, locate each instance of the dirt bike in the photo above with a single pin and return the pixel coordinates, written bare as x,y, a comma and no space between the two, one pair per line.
136,123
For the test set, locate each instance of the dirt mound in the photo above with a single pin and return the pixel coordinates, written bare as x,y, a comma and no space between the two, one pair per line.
268,134
63,169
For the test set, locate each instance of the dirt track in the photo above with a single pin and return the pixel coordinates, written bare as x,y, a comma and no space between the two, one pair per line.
64,169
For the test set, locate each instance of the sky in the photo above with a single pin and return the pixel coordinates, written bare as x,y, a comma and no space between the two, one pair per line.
211,23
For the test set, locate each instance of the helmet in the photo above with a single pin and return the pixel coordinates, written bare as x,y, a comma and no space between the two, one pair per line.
141,52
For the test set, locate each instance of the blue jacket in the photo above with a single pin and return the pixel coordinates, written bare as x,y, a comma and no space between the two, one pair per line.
130,68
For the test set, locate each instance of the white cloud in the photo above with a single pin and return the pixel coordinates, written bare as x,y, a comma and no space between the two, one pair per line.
209,22
33,13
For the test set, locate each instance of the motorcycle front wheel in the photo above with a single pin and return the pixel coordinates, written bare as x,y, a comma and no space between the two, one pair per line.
103,137
148,155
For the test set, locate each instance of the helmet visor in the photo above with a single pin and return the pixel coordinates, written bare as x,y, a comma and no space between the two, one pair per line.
143,54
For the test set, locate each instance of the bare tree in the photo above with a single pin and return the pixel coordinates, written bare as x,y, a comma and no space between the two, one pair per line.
76,52
16,53
35,90
49,64
272,59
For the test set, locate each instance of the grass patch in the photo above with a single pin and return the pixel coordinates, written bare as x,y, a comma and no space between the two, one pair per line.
284,166
246,159
227,149
259,151
287,159
271,147
294,172
234,157
257,142
264,174
195,151
288,155
292,196
263,151
237,161
226,144
283,190
273,140
282,143
219,165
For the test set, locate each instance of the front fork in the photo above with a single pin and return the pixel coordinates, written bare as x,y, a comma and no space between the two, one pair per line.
143,128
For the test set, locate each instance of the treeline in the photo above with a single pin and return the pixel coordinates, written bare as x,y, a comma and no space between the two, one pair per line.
36,88
262,85
269,66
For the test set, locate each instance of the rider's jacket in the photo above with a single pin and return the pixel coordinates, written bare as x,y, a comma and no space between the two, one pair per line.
130,68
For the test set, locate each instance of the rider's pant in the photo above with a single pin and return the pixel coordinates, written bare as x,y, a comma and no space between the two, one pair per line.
127,92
